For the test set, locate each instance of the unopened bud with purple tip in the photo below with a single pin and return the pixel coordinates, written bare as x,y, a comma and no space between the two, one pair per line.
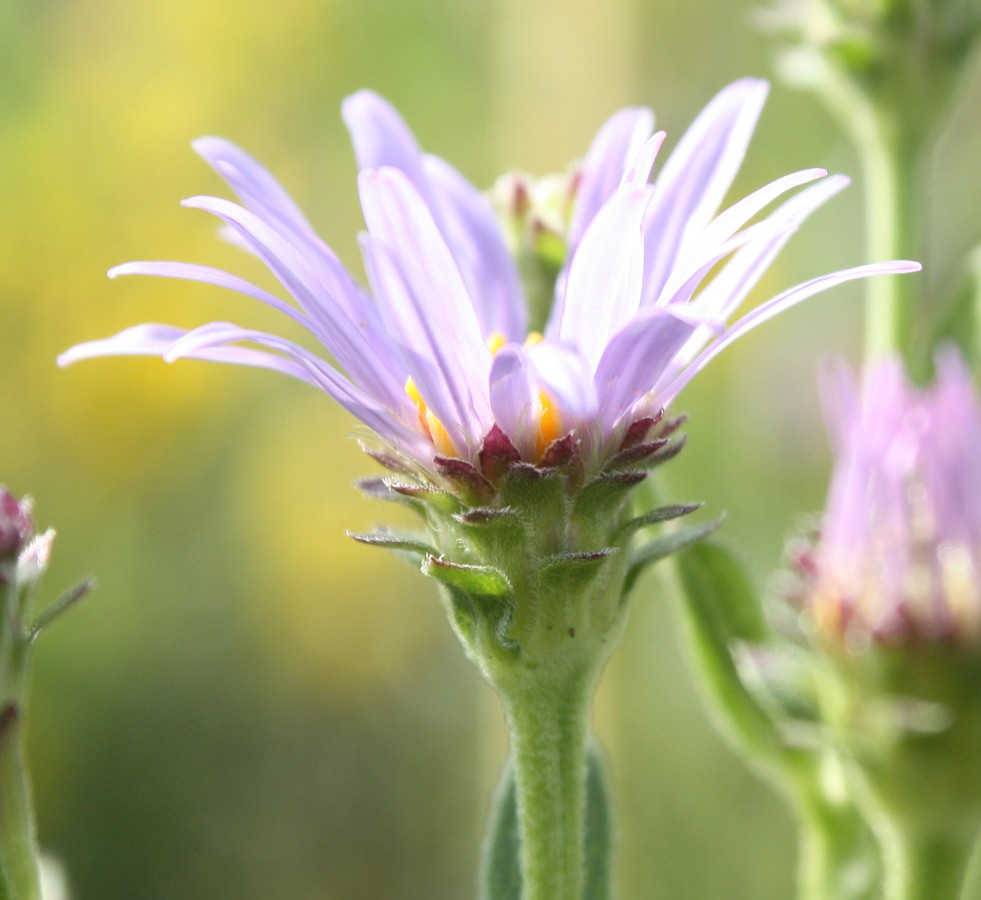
16,531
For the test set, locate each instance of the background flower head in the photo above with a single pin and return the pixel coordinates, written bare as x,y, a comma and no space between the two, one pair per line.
899,554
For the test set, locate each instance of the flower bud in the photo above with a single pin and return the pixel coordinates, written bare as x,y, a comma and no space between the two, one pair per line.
888,603
899,554
16,526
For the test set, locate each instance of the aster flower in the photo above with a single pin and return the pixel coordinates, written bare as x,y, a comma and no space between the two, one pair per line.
517,373
437,356
899,554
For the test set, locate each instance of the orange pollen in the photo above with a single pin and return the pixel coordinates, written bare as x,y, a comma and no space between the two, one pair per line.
430,424
549,424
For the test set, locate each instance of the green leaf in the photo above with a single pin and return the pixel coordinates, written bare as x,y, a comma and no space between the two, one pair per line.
500,869
661,514
500,864
656,549
61,605
598,855
392,541
570,573
601,498
720,608
481,581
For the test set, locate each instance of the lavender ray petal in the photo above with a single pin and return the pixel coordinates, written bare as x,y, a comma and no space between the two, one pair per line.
258,189
725,225
698,174
381,138
469,226
360,352
777,305
219,278
638,172
604,285
150,339
213,337
635,359
450,386
614,146
514,398
730,287
567,378
427,306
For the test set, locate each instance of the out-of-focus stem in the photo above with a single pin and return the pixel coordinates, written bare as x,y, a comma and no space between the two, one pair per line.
891,162
925,866
19,872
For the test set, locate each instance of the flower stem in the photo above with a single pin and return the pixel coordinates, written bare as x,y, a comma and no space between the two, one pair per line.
19,873
837,857
925,867
891,161
548,720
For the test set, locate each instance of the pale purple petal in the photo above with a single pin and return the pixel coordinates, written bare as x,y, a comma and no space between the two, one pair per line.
705,248
775,306
358,351
427,313
567,377
210,340
141,340
615,145
253,183
839,400
635,359
697,176
470,228
381,138
514,398
603,289
209,275
727,290
638,172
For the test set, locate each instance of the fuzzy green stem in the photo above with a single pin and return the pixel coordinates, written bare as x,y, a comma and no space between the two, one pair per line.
891,161
890,148
924,866
549,723
19,872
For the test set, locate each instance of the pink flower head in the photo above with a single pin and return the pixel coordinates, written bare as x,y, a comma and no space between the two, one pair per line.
435,354
899,556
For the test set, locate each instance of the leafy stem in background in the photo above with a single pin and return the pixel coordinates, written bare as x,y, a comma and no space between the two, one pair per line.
23,561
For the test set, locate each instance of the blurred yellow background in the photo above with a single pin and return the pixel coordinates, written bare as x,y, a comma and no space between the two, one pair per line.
251,705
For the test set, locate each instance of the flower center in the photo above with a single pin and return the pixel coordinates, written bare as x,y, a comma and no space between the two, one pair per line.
545,414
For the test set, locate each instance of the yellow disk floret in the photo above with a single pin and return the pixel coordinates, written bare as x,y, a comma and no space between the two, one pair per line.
549,423
430,424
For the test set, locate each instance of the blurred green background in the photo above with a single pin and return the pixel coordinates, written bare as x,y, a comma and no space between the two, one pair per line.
251,705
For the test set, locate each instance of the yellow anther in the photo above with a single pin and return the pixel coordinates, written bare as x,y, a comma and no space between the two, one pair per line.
430,424
495,342
414,395
549,424
534,337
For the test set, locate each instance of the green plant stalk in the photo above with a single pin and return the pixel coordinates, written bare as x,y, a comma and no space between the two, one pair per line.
924,866
20,877
891,159
836,856
548,718
890,151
